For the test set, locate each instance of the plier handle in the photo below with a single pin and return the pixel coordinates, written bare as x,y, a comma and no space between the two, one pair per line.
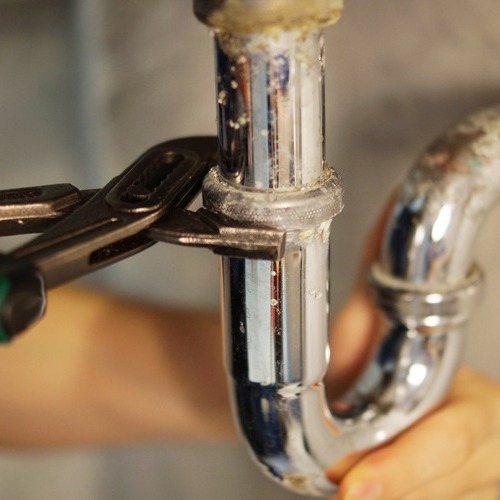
82,231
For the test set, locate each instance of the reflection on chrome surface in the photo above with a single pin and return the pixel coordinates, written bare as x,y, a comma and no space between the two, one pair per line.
270,102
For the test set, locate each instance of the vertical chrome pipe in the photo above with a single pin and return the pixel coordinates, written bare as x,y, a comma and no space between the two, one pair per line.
272,172
270,109
270,94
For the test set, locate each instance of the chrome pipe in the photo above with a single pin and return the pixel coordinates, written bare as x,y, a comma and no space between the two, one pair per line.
272,173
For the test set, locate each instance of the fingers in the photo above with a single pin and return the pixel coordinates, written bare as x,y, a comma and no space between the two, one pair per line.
451,452
489,492
477,480
356,329
351,343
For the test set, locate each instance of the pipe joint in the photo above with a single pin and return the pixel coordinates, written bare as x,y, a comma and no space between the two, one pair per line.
250,16
425,309
304,207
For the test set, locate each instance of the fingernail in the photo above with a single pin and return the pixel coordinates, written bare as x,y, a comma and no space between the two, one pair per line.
364,491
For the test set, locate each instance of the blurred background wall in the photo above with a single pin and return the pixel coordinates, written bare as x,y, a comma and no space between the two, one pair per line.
87,85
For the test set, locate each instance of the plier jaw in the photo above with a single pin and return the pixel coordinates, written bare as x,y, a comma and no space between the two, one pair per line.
82,231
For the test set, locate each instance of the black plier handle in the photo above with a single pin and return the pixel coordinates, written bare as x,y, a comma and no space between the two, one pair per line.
82,231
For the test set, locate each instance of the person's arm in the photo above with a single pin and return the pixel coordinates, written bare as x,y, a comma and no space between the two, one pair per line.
101,369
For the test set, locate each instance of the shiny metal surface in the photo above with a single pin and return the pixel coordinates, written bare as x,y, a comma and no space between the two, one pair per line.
270,94
270,108
450,190
270,101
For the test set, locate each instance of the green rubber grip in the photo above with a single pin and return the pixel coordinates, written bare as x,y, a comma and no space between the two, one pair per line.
22,296
4,293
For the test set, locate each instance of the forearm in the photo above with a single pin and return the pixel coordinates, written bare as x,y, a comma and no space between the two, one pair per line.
99,369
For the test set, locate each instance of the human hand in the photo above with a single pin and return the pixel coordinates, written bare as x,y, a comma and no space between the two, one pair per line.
451,454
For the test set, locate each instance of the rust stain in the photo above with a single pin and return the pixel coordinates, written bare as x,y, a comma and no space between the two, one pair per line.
452,152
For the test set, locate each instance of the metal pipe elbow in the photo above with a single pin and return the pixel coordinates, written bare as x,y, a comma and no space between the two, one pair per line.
425,285
272,172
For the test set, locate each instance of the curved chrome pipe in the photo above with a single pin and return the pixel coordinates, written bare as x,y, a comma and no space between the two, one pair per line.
270,115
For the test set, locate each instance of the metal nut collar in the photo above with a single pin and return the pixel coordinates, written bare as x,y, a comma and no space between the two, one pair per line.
431,309
285,209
